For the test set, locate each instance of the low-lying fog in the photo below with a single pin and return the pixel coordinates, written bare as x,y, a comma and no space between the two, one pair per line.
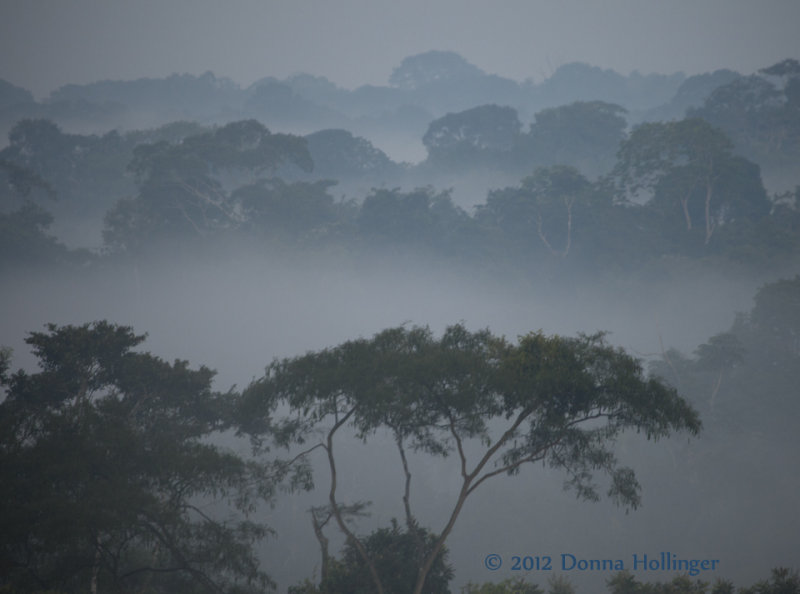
237,313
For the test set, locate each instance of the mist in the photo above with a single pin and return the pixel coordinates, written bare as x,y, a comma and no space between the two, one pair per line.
258,182
239,311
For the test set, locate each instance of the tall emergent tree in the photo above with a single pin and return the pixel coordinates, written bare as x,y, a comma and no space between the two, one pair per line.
561,401
108,479
692,173
182,186
545,201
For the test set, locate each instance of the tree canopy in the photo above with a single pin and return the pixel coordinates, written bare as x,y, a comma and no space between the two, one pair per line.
561,401
108,473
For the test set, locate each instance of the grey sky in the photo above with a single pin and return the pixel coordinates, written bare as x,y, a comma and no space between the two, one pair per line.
47,43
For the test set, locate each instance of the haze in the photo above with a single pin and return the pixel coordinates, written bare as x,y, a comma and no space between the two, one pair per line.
507,217
47,43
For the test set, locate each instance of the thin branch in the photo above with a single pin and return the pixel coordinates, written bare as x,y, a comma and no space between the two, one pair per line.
532,457
524,413
335,506
459,445
410,522
304,453
568,203
542,236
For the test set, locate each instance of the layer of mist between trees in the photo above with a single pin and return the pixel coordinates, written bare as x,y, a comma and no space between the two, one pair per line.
237,315
230,249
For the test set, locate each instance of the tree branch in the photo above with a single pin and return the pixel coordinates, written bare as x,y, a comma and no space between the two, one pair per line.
459,445
335,506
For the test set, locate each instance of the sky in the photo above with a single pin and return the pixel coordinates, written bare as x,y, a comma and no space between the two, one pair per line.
47,43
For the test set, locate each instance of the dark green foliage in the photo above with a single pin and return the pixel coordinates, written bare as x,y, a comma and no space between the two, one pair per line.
108,474
783,581
507,586
625,583
560,401
397,556
558,584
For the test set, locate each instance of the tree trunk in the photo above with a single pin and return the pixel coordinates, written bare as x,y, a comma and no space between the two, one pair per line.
95,565
337,513
323,545
709,222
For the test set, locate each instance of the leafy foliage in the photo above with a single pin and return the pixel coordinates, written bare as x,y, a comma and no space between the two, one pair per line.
109,477
692,175
783,581
761,114
584,134
430,68
507,586
473,136
182,192
561,401
396,554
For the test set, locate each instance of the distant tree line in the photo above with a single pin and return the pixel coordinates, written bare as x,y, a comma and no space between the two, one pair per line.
674,189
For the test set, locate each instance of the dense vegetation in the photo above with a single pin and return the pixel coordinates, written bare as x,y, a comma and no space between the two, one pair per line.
579,189
122,472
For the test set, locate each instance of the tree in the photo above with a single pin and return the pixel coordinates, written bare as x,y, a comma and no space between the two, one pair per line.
320,516
476,135
559,401
432,67
19,183
585,135
691,94
337,154
777,314
23,223
784,581
182,187
555,192
420,218
721,353
110,480
87,172
761,114
395,553
692,174
271,207
553,210
24,239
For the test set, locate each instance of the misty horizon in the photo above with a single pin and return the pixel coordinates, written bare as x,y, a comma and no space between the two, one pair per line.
226,226
49,44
